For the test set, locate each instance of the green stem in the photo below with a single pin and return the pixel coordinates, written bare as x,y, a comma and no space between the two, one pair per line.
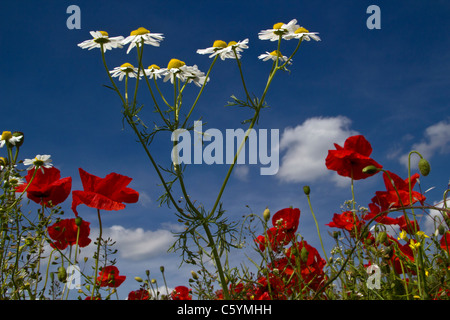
99,240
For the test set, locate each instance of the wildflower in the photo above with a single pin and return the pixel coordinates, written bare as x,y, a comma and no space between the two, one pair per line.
65,233
350,160
224,50
142,35
402,235
279,29
109,277
407,225
40,161
153,72
274,55
9,138
101,39
140,294
346,220
107,193
125,69
46,188
181,293
178,69
302,34
397,192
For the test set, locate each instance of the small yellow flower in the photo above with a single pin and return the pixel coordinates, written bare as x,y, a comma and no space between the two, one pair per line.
414,245
402,236
421,234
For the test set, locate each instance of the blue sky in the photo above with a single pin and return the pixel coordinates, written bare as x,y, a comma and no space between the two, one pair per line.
391,85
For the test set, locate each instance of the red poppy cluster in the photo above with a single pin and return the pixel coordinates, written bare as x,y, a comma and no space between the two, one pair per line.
293,269
350,161
46,187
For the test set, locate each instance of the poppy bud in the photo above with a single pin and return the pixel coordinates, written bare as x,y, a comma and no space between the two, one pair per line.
161,269
304,254
62,275
138,279
382,237
266,214
424,167
370,169
306,190
78,221
441,229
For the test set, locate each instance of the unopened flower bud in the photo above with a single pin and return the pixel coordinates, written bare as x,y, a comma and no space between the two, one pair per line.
382,237
266,214
62,275
424,167
370,169
161,269
306,190
304,254
138,279
194,275
78,221
441,229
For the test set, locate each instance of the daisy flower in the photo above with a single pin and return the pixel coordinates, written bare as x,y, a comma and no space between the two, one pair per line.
224,50
125,69
38,162
101,38
179,69
279,29
273,56
8,137
153,71
304,34
141,34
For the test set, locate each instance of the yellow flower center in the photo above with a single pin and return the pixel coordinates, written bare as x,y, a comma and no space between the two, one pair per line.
276,53
231,43
301,30
127,67
278,25
219,44
175,63
6,135
139,31
154,66
102,39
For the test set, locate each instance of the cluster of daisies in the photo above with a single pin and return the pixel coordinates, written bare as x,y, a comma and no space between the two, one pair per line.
177,68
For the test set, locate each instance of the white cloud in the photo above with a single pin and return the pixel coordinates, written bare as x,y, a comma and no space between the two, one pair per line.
436,139
134,244
306,147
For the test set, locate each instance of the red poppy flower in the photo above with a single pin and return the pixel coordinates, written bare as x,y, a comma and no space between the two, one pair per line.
47,187
181,293
140,294
109,277
285,224
445,241
346,220
276,238
390,198
287,219
107,193
64,232
350,160
379,215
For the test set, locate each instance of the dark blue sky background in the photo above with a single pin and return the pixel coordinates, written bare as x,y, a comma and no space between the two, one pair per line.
390,84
